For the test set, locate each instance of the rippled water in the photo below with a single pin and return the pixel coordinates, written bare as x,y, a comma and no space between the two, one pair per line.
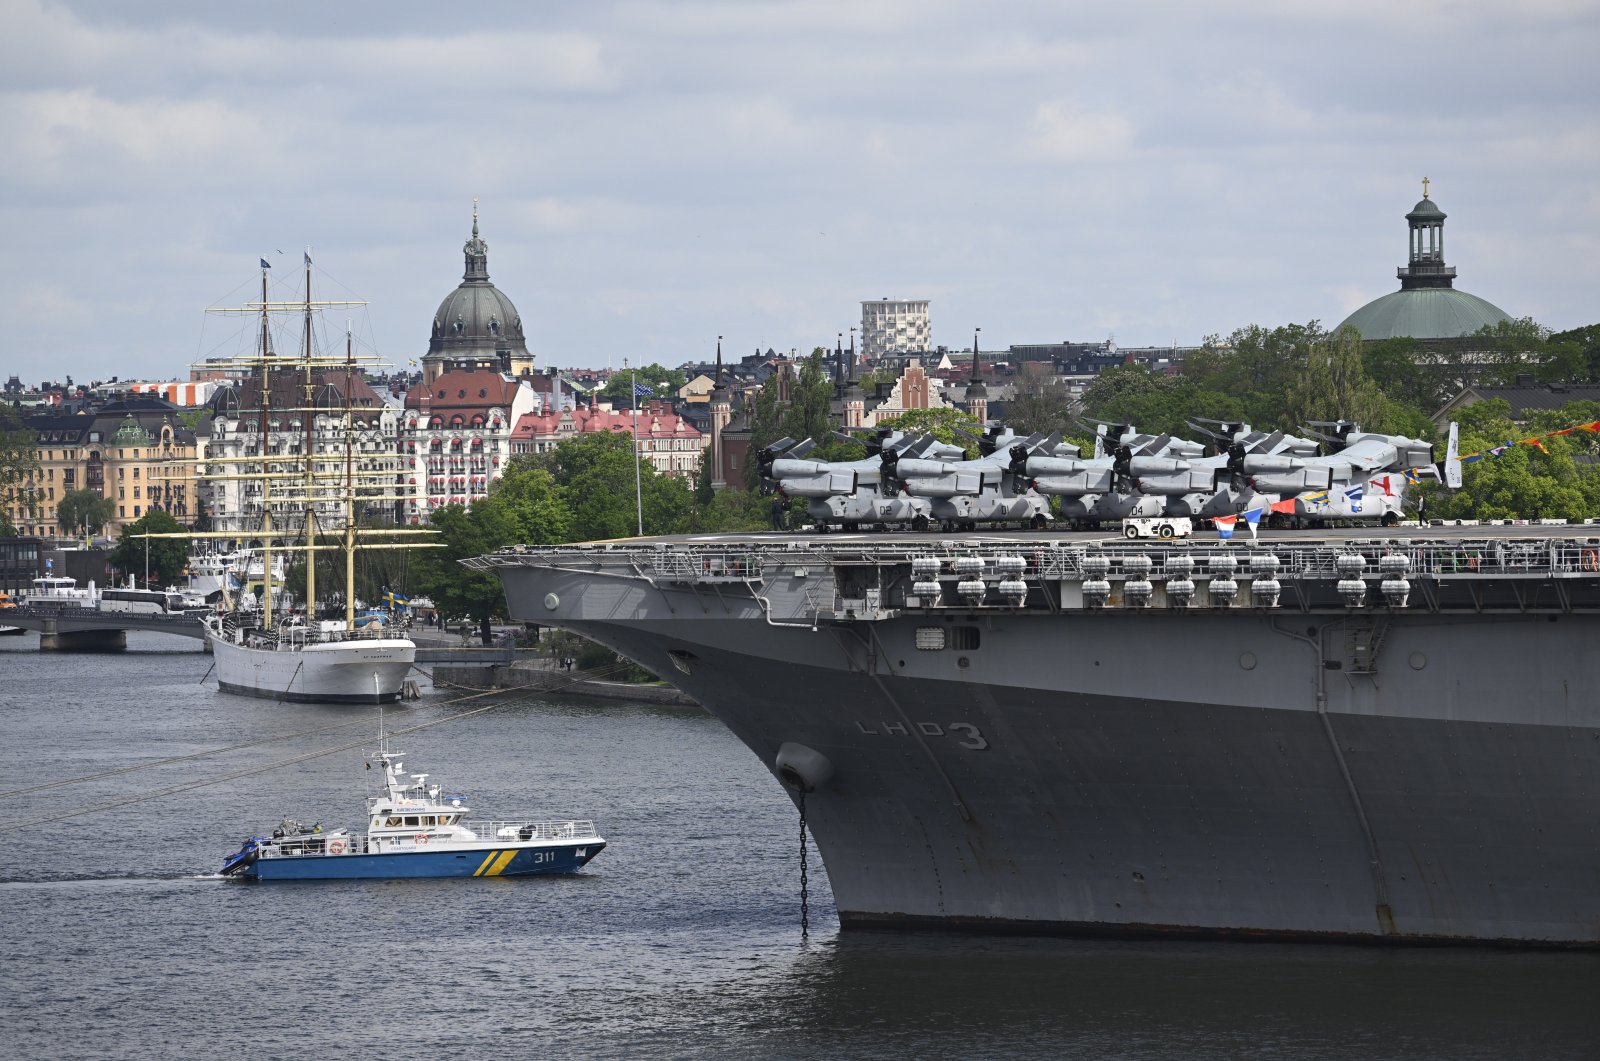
681,939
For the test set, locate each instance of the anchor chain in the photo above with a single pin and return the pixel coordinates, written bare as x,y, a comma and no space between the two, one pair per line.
805,900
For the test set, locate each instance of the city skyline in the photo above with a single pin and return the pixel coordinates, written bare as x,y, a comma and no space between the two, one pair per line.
652,177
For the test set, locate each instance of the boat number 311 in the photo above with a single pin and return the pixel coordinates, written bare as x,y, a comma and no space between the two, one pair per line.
968,734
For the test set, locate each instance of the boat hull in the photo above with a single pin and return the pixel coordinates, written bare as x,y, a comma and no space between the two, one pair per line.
360,671
489,860
1196,773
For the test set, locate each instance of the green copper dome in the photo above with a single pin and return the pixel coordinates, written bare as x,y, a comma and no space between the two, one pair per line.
1425,313
1427,306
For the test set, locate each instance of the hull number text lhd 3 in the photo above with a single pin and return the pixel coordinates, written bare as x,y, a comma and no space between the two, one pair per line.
965,733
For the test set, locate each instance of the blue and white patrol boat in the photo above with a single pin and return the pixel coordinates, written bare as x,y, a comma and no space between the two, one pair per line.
413,830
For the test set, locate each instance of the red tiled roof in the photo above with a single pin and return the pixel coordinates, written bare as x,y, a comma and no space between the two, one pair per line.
656,420
465,388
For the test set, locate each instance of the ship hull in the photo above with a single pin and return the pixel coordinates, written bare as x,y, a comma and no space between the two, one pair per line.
360,671
1194,773
486,861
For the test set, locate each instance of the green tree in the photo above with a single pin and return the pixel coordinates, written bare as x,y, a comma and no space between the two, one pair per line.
193,418
164,558
704,489
766,427
533,504
83,512
663,383
1586,342
1523,481
1157,403
1254,368
457,591
1333,384
947,425
1040,404
19,460
810,412
596,473
734,510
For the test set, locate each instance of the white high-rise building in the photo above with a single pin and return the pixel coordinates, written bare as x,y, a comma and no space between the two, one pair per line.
892,326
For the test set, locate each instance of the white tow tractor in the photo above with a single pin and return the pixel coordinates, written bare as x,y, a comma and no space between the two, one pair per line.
1157,527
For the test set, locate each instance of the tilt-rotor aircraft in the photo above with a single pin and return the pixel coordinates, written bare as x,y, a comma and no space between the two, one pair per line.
1367,478
1105,486
1224,484
850,494
987,489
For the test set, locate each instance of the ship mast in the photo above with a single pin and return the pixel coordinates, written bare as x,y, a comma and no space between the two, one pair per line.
266,480
308,423
349,489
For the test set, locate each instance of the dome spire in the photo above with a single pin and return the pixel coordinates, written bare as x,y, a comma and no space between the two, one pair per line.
477,252
1426,266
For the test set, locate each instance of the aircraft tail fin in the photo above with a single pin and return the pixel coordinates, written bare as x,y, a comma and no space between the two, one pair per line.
1452,458
1100,440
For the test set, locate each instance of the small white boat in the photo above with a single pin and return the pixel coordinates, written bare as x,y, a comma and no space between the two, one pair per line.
59,591
415,830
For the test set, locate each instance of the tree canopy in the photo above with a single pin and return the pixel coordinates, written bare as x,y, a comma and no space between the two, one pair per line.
83,511
19,459
167,558
663,383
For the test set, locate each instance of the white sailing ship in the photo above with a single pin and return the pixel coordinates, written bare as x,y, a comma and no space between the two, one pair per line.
259,650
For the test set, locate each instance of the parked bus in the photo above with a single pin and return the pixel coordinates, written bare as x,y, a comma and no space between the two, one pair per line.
145,601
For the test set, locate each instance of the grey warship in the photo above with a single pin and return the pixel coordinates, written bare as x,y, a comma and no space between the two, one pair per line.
1393,737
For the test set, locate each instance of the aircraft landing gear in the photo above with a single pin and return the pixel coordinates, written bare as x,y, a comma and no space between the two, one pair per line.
919,524
1039,522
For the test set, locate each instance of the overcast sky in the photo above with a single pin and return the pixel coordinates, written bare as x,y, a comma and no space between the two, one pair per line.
654,175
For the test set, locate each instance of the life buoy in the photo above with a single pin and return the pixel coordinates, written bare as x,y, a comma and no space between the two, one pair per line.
335,847
422,838
1591,560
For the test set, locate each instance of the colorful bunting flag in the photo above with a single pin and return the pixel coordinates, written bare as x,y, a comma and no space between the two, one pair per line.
1225,525
1318,498
1253,517
1536,443
1354,495
1286,505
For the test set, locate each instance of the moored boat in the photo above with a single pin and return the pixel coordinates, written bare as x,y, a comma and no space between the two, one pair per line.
59,591
416,830
328,663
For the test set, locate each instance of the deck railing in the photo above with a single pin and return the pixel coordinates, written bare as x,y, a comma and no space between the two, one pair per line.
342,843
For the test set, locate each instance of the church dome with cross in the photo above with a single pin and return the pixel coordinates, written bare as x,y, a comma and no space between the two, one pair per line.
1427,306
477,326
